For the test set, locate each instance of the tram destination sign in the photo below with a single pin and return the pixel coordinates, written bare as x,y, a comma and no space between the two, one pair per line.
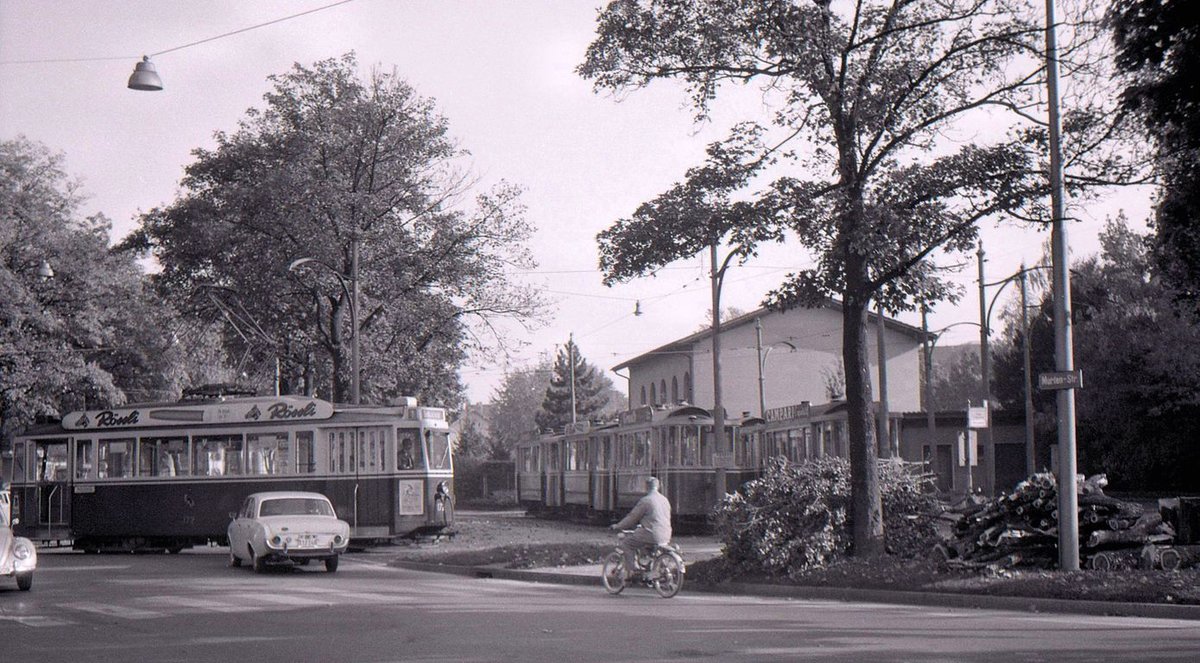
249,410
1055,380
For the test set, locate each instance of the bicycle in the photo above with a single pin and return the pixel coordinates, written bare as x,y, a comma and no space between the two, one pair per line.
661,569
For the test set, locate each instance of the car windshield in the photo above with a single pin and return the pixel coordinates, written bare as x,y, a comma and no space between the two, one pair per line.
295,506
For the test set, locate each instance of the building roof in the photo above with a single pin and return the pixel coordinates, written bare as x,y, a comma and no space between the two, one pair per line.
748,318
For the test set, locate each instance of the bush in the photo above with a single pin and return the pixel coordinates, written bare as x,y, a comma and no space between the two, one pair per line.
797,516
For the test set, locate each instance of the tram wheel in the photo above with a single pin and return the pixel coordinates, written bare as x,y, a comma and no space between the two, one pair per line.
612,574
331,564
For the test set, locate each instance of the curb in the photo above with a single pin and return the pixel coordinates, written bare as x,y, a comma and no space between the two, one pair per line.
935,599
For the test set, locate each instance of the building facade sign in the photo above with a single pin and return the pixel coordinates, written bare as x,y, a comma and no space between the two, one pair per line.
279,408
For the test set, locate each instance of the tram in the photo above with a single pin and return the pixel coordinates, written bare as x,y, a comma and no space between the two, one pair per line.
597,471
167,476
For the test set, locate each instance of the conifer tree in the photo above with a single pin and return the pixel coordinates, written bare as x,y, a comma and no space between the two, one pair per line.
562,403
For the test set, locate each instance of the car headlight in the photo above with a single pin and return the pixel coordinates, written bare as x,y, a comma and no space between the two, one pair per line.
337,539
276,540
22,550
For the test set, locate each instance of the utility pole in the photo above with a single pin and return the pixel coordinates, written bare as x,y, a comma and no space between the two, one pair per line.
762,396
885,429
1068,501
985,366
571,361
718,407
930,417
355,361
1030,451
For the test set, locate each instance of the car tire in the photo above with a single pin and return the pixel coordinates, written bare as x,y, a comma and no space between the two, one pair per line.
234,560
24,581
260,563
331,564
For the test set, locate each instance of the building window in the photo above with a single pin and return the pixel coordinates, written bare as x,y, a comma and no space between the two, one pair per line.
653,394
643,394
687,388
662,389
674,389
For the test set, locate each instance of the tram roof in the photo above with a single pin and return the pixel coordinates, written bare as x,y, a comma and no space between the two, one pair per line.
748,318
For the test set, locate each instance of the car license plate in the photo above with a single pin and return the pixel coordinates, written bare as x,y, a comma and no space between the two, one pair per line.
307,540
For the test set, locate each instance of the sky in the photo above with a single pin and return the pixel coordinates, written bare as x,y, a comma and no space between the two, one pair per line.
502,73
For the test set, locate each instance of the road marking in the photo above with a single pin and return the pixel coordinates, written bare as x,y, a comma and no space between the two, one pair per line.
52,569
124,612
279,599
198,603
36,621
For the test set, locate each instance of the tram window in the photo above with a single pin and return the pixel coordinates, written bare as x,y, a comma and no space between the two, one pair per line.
438,449
404,451
114,459
162,456
18,468
269,453
51,458
217,455
85,460
306,452
690,444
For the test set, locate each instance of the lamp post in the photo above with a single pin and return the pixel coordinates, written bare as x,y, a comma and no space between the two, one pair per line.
762,364
1030,457
351,292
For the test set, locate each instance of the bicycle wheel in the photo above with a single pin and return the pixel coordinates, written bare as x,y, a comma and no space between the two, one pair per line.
613,573
667,574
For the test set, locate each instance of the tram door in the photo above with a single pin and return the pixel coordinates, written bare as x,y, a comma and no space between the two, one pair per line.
51,474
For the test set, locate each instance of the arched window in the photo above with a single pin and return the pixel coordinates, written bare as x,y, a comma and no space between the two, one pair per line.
687,389
674,389
662,389
653,394
643,394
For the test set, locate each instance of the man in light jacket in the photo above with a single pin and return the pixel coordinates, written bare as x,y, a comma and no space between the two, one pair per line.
653,513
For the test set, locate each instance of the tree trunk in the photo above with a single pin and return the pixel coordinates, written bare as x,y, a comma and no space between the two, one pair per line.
866,502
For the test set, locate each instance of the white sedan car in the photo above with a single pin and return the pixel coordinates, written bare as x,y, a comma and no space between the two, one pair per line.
286,526
18,556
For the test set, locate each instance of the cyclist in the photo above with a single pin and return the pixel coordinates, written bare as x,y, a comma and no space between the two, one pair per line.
653,513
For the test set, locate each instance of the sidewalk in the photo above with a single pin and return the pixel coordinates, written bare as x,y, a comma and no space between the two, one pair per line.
589,575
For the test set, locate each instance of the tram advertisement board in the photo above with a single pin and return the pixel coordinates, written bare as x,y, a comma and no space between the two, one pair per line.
256,410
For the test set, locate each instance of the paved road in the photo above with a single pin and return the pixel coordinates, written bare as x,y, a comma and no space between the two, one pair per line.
192,607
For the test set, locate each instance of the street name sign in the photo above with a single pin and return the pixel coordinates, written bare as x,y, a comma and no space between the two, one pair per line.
1061,379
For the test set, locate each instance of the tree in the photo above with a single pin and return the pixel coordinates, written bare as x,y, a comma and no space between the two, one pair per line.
729,313
956,379
864,90
1158,52
515,405
350,172
576,391
1137,411
472,442
78,329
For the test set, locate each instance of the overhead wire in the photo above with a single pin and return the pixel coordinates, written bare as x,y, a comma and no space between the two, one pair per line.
181,47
